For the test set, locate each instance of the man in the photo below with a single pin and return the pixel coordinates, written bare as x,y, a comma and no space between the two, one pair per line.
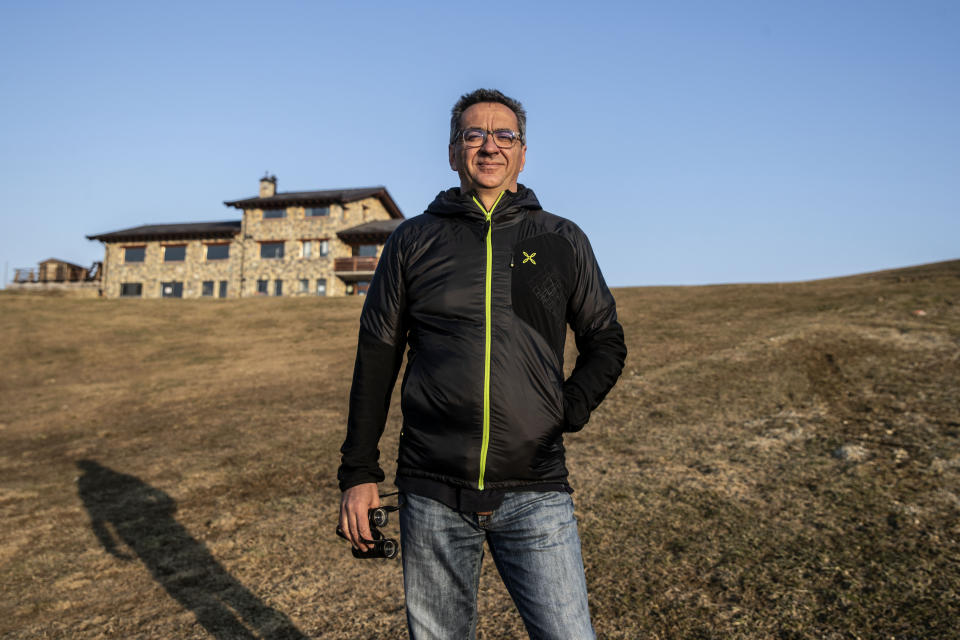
481,287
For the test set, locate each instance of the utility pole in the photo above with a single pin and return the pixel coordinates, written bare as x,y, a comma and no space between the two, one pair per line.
5,265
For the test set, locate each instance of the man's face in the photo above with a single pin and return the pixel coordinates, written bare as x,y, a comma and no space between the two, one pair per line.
487,167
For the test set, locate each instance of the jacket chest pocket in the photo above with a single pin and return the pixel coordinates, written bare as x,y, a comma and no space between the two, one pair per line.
542,269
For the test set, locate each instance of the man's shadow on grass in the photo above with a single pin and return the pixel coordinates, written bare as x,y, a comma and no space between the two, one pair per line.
141,517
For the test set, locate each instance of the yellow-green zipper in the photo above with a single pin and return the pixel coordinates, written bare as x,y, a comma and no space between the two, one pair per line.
488,336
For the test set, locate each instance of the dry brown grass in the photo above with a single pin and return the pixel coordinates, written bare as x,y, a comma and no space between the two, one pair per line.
778,461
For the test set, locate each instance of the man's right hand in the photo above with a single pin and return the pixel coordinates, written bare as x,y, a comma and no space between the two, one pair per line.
355,505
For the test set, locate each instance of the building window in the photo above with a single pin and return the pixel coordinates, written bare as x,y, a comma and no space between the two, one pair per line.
175,253
171,289
365,250
304,285
262,287
316,212
134,254
322,287
271,249
206,289
218,251
223,288
131,289
310,248
278,287
274,213
357,288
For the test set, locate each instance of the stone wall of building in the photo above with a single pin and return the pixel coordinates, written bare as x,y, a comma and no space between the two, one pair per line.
299,274
191,272
293,230
86,289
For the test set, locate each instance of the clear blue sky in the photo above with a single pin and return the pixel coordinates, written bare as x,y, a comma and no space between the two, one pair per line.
695,142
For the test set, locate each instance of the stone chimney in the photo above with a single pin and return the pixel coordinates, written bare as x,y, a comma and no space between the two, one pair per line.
268,186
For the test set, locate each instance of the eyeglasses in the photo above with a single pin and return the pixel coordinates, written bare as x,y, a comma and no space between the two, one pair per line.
504,138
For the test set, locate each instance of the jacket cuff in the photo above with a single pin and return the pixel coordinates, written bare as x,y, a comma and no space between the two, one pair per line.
347,480
575,411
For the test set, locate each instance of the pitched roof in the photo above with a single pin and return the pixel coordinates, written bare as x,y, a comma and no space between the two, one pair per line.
222,229
376,231
59,261
326,196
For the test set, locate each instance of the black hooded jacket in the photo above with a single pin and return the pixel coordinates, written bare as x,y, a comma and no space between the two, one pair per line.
483,301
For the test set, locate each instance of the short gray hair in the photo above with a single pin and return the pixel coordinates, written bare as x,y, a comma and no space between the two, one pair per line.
467,100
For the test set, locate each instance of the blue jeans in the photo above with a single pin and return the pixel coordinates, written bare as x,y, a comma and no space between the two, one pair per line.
534,542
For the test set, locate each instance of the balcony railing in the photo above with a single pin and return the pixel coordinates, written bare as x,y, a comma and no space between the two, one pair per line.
354,265
25,274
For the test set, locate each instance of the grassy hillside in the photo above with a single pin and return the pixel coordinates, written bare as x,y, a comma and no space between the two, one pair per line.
777,461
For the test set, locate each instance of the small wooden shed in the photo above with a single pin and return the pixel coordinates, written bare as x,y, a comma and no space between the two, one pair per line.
54,270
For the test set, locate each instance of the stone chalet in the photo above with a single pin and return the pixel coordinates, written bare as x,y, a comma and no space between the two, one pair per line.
300,243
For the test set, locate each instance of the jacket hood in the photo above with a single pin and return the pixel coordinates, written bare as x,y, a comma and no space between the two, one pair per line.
454,203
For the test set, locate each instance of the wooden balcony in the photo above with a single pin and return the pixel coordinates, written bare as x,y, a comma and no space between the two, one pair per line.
354,266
